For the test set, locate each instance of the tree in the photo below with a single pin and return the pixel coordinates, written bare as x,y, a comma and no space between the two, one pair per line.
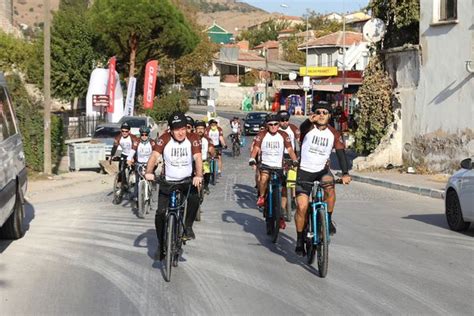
140,30
268,31
402,18
320,25
291,52
14,52
375,109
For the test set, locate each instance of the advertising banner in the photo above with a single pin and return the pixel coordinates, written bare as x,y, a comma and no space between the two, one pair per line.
111,84
130,101
151,72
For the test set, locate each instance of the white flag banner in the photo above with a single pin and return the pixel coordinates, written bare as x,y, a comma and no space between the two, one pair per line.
130,101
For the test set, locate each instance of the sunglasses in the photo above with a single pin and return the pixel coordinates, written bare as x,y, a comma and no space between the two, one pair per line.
125,131
321,112
284,120
273,124
144,134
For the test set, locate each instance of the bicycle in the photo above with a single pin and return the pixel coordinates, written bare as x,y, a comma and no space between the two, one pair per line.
174,225
123,180
272,210
318,221
144,191
289,172
235,145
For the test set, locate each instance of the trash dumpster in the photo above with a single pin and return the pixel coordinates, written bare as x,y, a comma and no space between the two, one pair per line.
85,156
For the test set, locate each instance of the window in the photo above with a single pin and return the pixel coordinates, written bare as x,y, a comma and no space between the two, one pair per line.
320,59
448,10
7,123
329,64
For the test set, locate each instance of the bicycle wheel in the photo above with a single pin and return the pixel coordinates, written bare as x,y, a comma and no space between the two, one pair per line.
276,213
170,242
142,187
131,178
322,247
117,190
309,237
198,213
235,149
214,172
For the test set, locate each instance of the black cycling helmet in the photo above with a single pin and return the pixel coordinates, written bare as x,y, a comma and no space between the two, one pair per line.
273,117
177,120
144,130
284,115
189,120
322,105
212,121
125,125
200,123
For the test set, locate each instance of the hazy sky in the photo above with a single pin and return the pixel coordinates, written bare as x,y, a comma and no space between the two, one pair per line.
298,7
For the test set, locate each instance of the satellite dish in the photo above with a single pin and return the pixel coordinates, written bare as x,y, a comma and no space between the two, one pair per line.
374,30
293,75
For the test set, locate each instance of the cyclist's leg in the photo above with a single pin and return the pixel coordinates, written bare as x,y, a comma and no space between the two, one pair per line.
193,206
263,182
137,180
330,199
121,169
219,160
303,191
160,219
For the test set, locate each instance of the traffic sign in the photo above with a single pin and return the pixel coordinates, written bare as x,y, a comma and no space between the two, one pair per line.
306,83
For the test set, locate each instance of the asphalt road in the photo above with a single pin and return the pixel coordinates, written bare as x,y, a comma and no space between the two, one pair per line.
393,254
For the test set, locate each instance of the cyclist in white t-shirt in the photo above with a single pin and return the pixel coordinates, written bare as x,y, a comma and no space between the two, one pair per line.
271,144
182,158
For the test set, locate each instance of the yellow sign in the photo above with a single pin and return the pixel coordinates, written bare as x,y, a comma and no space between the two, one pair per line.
318,71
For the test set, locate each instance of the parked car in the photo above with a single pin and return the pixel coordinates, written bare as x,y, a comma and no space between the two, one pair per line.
13,179
136,122
459,197
252,122
106,133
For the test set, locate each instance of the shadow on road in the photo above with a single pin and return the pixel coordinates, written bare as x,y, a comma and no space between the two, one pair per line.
246,196
29,216
256,226
438,220
147,240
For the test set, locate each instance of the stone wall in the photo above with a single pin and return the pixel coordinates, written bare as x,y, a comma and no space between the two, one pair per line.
231,95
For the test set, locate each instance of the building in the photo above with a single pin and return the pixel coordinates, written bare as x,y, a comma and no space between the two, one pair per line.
218,34
441,125
328,51
269,49
357,20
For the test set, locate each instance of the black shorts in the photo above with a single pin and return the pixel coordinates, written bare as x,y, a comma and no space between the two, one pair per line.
306,188
269,169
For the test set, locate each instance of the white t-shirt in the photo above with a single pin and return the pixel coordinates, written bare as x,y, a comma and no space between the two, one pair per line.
294,133
143,151
125,143
317,147
214,135
178,156
204,148
272,147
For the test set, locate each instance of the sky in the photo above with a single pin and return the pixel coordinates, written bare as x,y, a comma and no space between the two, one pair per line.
298,7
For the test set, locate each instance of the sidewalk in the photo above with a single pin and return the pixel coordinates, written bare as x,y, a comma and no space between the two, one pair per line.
427,185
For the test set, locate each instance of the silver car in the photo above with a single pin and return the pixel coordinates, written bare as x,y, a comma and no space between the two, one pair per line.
459,197
136,122
13,178
106,133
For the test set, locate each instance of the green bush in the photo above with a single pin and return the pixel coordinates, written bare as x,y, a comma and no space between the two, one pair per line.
30,116
168,103
375,110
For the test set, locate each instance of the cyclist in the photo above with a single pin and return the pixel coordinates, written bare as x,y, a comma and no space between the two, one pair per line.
215,133
262,127
236,128
207,151
271,143
125,140
317,141
140,152
294,133
189,124
181,152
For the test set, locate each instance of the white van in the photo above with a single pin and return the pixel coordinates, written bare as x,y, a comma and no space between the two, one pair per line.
13,173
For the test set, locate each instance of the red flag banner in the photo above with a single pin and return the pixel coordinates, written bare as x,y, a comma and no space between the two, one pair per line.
151,71
111,84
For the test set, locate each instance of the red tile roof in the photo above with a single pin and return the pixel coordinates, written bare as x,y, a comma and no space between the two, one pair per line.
247,56
287,31
334,39
267,44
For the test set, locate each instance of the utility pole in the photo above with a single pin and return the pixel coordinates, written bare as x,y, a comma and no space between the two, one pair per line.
306,72
47,88
343,57
266,78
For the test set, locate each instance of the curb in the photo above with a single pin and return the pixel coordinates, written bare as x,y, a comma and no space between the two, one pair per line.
433,193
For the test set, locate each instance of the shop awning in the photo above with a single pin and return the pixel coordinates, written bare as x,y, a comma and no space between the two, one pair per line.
327,87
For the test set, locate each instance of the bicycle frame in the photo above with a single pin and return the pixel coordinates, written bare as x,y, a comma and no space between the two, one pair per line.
273,182
318,205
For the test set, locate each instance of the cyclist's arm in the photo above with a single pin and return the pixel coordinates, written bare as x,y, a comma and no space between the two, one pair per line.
198,162
114,147
221,138
211,150
133,150
340,151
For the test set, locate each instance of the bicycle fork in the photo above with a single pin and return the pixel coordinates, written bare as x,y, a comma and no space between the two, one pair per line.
316,208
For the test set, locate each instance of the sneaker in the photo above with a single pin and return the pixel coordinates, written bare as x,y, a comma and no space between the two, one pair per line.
189,234
332,228
300,247
282,223
261,201
206,190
